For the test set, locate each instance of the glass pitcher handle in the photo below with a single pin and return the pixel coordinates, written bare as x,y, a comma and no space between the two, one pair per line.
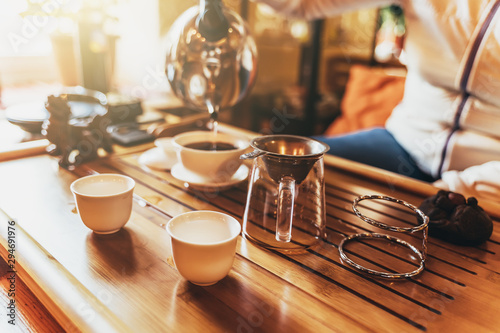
286,199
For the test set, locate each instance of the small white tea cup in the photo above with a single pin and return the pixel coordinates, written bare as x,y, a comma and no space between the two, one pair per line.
213,165
104,201
203,245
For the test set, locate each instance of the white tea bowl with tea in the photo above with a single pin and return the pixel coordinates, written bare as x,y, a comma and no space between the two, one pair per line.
213,156
203,245
104,201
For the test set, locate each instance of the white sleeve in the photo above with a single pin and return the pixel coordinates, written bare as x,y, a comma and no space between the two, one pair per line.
480,181
313,9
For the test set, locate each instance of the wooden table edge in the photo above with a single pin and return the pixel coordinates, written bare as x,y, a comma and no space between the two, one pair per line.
24,149
72,305
399,181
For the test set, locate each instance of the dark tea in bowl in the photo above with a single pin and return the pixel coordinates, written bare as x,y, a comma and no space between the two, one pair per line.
214,156
211,146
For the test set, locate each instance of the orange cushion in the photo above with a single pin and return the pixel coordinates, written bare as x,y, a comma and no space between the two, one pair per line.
370,96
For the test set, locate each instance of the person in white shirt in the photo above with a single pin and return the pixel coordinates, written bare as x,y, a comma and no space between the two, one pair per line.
447,126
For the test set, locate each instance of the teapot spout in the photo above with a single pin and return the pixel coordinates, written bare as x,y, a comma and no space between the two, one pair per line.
252,155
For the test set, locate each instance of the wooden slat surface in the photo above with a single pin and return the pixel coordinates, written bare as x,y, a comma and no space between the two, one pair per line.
127,282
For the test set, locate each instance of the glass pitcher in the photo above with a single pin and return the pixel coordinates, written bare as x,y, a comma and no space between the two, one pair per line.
285,207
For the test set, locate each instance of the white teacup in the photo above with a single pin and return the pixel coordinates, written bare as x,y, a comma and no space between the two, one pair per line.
213,165
203,245
104,201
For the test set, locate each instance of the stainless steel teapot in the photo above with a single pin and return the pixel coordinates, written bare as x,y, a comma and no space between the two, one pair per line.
211,60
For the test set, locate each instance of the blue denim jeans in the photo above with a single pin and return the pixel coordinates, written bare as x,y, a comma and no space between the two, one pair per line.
376,147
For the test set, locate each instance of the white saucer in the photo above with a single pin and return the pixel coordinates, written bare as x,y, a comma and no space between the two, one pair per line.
155,158
197,181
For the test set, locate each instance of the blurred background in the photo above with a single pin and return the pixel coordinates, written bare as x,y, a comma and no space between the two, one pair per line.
119,46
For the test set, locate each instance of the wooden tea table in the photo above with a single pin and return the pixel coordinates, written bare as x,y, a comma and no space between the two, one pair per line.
126,282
